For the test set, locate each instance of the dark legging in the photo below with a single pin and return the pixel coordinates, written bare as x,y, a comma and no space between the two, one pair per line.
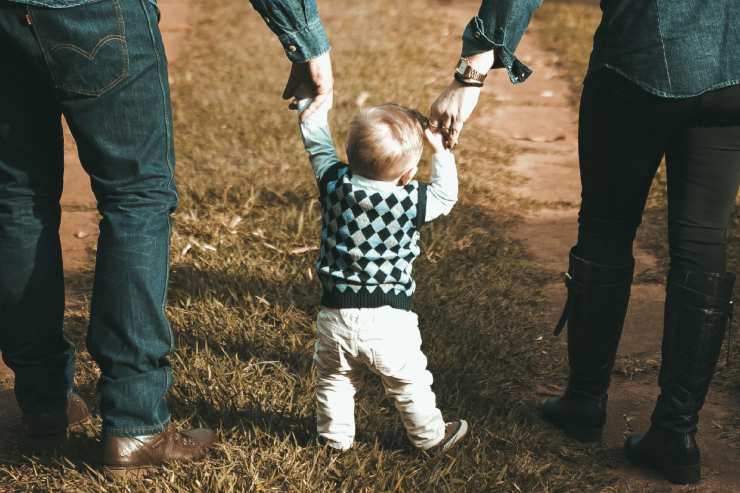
624,133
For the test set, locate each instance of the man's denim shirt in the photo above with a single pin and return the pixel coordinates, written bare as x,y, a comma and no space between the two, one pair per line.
670,48
296,23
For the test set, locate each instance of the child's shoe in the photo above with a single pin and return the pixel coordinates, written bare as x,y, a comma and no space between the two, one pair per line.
335,446
455,431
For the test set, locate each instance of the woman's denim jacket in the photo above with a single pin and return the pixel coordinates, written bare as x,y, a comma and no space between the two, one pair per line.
670,48
296,23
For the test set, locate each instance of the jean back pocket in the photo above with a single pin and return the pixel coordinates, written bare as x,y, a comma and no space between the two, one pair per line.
85,46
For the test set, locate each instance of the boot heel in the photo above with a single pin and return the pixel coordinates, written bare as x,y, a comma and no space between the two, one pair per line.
683,475
585,435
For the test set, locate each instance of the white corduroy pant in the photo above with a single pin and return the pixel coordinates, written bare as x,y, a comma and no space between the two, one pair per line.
386,340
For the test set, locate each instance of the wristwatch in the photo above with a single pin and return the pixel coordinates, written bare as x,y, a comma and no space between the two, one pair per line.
467,75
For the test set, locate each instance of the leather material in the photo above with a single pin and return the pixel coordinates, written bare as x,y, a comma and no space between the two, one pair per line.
152,450
595,311
51,424
598,296
675,454
580,418
697,314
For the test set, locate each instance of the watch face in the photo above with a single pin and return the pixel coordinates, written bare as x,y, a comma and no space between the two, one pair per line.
462,66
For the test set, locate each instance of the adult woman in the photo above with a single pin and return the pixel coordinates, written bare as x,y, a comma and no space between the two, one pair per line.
663,81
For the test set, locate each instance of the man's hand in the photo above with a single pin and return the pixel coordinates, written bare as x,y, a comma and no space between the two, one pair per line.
434,140
312,79
451,109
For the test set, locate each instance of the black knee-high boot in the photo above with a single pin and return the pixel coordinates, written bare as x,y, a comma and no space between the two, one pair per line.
698,312
595,311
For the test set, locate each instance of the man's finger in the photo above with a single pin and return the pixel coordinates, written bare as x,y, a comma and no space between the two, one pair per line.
292,83
289,88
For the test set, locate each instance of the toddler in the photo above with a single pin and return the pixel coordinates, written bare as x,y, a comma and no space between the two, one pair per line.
372,211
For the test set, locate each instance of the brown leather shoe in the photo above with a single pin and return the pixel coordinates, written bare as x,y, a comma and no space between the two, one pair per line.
53,424
122,455
46,434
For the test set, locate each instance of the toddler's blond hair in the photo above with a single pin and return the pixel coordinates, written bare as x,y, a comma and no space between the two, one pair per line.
384,141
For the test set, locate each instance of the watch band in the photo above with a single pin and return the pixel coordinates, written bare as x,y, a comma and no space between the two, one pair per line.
467,82
466,74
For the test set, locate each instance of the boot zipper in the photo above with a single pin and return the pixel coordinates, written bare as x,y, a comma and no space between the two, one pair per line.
729,331
29,19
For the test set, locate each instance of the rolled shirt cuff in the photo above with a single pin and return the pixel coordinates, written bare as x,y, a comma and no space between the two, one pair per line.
306,44
477,40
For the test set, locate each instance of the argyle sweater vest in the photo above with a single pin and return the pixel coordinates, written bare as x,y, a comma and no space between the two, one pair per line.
369,241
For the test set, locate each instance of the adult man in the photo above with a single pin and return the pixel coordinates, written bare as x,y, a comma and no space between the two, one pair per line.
102,65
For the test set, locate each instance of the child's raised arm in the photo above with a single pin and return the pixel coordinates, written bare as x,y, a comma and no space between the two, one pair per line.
317,138
442,191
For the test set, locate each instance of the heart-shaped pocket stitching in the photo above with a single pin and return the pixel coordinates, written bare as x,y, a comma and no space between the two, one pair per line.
90,55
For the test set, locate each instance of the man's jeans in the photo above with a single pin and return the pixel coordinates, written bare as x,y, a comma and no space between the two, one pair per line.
103,67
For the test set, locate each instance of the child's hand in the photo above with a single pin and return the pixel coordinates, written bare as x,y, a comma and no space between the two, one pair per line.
301,104
319,116
435,140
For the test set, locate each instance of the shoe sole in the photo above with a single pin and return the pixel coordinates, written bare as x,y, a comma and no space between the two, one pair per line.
584,435
580,433
676,475
683,475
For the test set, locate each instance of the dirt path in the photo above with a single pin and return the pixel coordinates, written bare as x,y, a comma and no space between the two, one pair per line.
539,119
79,228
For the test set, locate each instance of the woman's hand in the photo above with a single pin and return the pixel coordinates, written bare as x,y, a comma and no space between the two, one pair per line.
451,109
456,103
312,79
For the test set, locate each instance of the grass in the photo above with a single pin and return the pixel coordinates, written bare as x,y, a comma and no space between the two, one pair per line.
243,296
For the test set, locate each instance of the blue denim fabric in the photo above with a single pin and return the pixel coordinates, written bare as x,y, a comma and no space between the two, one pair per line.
54,4
296,23
499,26
670,48
102,65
